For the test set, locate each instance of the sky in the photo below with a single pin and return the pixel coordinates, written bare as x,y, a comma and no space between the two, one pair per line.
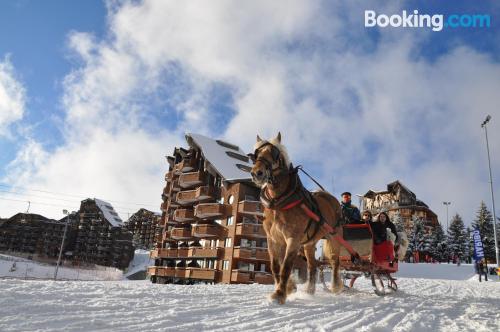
94,95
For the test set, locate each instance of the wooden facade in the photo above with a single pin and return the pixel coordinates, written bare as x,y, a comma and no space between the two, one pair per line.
143,225
211,225
91,238
32,235
400,203
101,239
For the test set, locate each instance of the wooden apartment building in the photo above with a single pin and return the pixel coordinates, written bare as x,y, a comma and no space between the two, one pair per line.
32,235
143,225
211,228
95,235
400,203
101,236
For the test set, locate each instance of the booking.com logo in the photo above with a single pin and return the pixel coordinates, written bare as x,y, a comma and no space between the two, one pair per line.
437,22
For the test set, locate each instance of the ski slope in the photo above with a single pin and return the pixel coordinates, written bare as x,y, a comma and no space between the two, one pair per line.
421,304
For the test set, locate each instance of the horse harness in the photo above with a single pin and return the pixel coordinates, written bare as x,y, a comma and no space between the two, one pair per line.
297,195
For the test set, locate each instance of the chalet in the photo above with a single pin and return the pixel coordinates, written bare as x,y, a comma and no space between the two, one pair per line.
211,229
401,204
143,225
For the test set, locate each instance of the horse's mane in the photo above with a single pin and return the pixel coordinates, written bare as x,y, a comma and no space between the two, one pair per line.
279,146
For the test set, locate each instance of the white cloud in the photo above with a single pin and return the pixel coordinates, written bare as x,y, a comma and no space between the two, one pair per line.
364,114
12,97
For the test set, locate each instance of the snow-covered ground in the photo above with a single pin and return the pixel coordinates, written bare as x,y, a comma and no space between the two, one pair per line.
16,267
421,304
140,263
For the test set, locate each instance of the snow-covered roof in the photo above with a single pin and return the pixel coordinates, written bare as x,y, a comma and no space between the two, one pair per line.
109,213
228,160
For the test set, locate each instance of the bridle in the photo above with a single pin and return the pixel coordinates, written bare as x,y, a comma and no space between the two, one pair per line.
271,176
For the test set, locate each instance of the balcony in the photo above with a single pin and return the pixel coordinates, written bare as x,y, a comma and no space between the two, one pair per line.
203,252
192,196
212,210
181,233
264,278
251,207
209,231
186,165
175,186
164,253
247,277
183,215
181,273
169,176
251,253
161,271
250,230
199,273
188,180
183,252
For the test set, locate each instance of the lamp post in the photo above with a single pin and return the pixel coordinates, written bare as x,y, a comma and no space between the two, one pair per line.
65,212
447,204
483,125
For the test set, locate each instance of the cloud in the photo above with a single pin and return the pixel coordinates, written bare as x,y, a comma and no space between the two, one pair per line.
358,110
12,97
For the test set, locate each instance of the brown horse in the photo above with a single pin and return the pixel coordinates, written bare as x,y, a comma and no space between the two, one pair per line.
294,218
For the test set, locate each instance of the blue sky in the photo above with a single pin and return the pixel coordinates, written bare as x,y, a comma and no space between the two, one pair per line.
110,88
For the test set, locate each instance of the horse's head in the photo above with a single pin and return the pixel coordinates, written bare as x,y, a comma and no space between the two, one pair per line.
270,161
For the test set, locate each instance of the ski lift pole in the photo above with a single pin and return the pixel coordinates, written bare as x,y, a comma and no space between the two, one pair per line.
62,243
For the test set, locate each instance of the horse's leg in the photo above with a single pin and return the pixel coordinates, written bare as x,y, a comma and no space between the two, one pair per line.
276,258
309,251
337,284
292,250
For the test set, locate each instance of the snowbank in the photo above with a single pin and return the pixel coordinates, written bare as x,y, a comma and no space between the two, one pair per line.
15,267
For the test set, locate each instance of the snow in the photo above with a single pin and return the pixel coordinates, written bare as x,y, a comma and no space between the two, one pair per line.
109,213
421,304
27,269
216,155
140,262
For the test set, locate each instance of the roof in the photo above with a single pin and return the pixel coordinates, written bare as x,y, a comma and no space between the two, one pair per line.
109,213
228,160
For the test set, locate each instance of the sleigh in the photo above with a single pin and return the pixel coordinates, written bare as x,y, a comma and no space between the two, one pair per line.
360,256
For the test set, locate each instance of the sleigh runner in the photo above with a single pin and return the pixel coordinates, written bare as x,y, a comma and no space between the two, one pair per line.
360,256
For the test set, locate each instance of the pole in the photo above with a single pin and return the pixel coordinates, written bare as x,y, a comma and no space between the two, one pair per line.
61,249
447,219
491,188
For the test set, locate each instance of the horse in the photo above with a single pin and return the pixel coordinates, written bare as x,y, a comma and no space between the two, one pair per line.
294,218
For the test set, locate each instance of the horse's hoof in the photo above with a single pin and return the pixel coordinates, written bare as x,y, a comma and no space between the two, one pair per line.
338,290
310,291
278,297
291,288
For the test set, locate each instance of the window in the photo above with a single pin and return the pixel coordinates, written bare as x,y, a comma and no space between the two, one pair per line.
238,156
218,221
230,221
227,145
230,200
244,168
225,265
262,267
227,242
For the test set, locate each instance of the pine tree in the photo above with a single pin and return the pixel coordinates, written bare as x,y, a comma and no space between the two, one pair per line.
457,241
417,238
398,221
484,222
439,246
